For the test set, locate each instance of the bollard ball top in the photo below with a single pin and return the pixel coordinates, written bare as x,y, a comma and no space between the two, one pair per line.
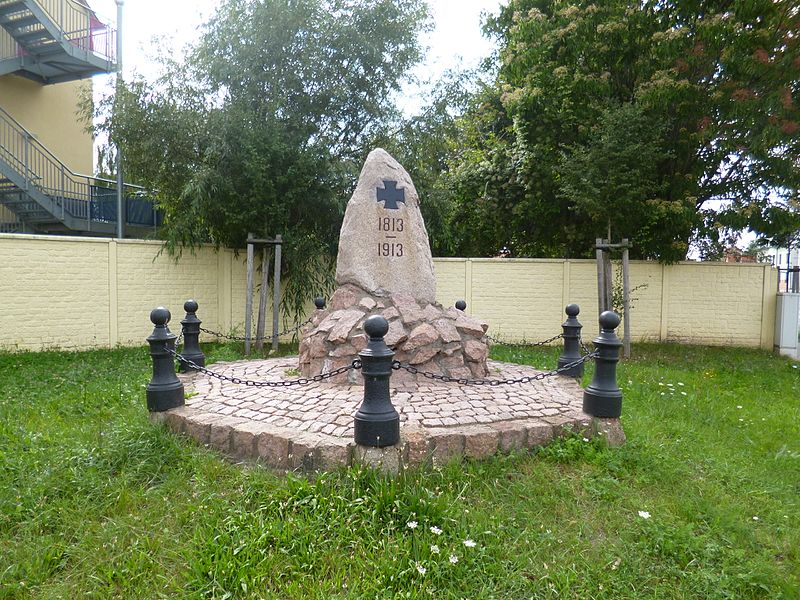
190,306
376,326
319,303
461,305
160,316
609,320
572,310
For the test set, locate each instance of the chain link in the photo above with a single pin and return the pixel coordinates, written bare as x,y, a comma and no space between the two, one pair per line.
492,382
236,338
356,364
584,348
525,344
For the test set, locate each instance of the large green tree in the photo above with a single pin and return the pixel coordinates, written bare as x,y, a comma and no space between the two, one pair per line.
666,121
262,125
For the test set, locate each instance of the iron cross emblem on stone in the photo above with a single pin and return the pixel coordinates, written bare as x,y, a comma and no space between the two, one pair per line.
390,195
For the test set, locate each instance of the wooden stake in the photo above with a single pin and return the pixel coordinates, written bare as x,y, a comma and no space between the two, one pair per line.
262,299
601,290
626,300
248,308
276,293
609,279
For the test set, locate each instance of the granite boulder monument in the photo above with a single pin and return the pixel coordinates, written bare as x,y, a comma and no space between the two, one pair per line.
384,266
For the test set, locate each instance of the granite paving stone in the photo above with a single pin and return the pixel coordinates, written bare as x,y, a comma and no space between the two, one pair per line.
447,419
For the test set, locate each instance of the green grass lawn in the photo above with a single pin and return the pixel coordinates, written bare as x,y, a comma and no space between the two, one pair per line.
97,502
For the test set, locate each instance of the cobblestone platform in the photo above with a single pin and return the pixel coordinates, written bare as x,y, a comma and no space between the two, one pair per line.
311,427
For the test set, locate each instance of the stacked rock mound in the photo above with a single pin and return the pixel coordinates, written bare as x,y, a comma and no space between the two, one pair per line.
423,334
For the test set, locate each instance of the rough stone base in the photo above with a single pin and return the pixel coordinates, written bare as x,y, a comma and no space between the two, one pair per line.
387,460
610,430
425,335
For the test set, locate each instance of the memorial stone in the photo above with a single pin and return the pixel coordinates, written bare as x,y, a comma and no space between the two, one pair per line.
384,266
383,244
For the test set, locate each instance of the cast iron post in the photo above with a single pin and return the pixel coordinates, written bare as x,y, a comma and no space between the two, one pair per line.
603,398
377,423
165,390
572,342
461,305
319,303
190,326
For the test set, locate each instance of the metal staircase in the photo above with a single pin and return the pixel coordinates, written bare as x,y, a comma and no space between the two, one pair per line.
44,196
51,41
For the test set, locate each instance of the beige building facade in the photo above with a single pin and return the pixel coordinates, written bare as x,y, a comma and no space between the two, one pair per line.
50,114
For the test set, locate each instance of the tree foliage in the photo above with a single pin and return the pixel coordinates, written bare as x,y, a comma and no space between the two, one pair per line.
668,121
262,126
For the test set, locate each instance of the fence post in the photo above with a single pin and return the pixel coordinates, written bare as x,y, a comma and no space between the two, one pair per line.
603,398
461,305
190,328
165,390
377,423
572,338
319,302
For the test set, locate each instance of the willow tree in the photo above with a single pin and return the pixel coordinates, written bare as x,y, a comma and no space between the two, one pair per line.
261,126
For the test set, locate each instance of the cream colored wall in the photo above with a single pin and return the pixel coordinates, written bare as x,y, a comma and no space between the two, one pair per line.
49,113
699,303
67,292
81,293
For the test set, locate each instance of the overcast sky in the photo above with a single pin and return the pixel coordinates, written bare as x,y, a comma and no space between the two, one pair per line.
456,39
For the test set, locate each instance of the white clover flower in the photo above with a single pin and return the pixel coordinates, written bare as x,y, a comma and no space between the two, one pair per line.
436,531
469,543
585,439
738,406
644,514
422,570
434,549
411,524
453,559
755,518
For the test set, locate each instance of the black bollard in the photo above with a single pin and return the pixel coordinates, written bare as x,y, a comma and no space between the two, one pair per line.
572,342
190,327
377,423
319,303
165,390
461,305
603,398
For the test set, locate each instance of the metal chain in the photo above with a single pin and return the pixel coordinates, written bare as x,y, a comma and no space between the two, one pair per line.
525,344
356,364
583,346
236,338
492,382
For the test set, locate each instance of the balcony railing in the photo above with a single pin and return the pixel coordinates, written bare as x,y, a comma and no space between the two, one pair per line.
82,197
75,24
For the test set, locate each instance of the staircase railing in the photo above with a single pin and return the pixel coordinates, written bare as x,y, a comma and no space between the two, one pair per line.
76,24
80,196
